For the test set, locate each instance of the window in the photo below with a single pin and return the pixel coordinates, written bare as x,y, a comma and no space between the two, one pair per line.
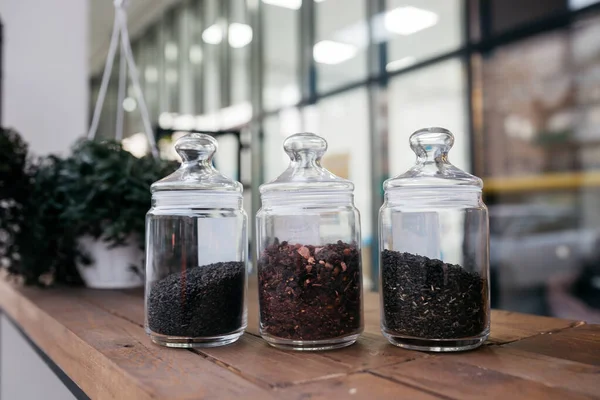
170,56
504,16
276,129
577,4
541,113
281,47
148,69
196,55
240,37
212,36
420,29
432,96
340,51
546,120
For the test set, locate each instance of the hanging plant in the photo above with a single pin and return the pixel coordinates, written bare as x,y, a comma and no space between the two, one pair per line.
64,212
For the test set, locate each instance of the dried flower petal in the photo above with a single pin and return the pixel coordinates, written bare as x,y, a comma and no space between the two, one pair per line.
344,267
312,299
304,252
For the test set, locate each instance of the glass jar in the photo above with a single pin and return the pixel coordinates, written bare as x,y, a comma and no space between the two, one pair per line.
434,252
196,252
309,267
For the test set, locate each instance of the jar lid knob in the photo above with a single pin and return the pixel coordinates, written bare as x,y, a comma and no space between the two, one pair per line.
305,146
431,143
196,146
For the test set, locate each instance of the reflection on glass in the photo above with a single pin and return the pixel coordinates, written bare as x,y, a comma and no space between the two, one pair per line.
340,50
432,96
542,148
281,41
419,29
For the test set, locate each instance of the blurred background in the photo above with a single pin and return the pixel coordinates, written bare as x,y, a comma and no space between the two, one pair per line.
517,82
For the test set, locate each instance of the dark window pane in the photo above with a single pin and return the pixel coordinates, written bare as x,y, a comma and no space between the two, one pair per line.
508,14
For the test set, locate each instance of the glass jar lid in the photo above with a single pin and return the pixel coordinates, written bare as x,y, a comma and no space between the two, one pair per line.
433,169
197,171
305,172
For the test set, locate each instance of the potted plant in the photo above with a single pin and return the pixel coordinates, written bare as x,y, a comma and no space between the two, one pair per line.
82,217
107,196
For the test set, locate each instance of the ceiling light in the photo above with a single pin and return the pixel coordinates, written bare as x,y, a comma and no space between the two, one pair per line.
195,54
356,34
165,120
408,20
184,122
330,52
129,104
239,35
399,64
171,51
207,122
291,4
212,34
236,115
136,144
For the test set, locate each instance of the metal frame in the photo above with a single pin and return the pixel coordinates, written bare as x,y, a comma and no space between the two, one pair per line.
486,44
255,17
308,69
224,55
378,131
308,72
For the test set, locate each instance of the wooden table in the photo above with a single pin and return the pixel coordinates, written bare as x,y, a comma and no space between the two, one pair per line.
97,339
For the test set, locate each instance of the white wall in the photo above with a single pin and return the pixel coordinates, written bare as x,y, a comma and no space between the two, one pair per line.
45,83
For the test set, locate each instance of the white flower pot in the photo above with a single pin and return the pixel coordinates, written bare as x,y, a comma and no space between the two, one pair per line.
111,267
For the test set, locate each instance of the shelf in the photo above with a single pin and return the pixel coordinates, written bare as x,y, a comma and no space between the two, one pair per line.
542,182
97,339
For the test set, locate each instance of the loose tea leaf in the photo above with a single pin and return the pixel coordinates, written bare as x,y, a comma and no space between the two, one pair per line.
308,292
202,301
427,298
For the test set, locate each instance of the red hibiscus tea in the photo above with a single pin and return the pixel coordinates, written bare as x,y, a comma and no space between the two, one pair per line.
310,292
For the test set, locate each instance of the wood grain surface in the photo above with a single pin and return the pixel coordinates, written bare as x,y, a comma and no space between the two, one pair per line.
98,339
